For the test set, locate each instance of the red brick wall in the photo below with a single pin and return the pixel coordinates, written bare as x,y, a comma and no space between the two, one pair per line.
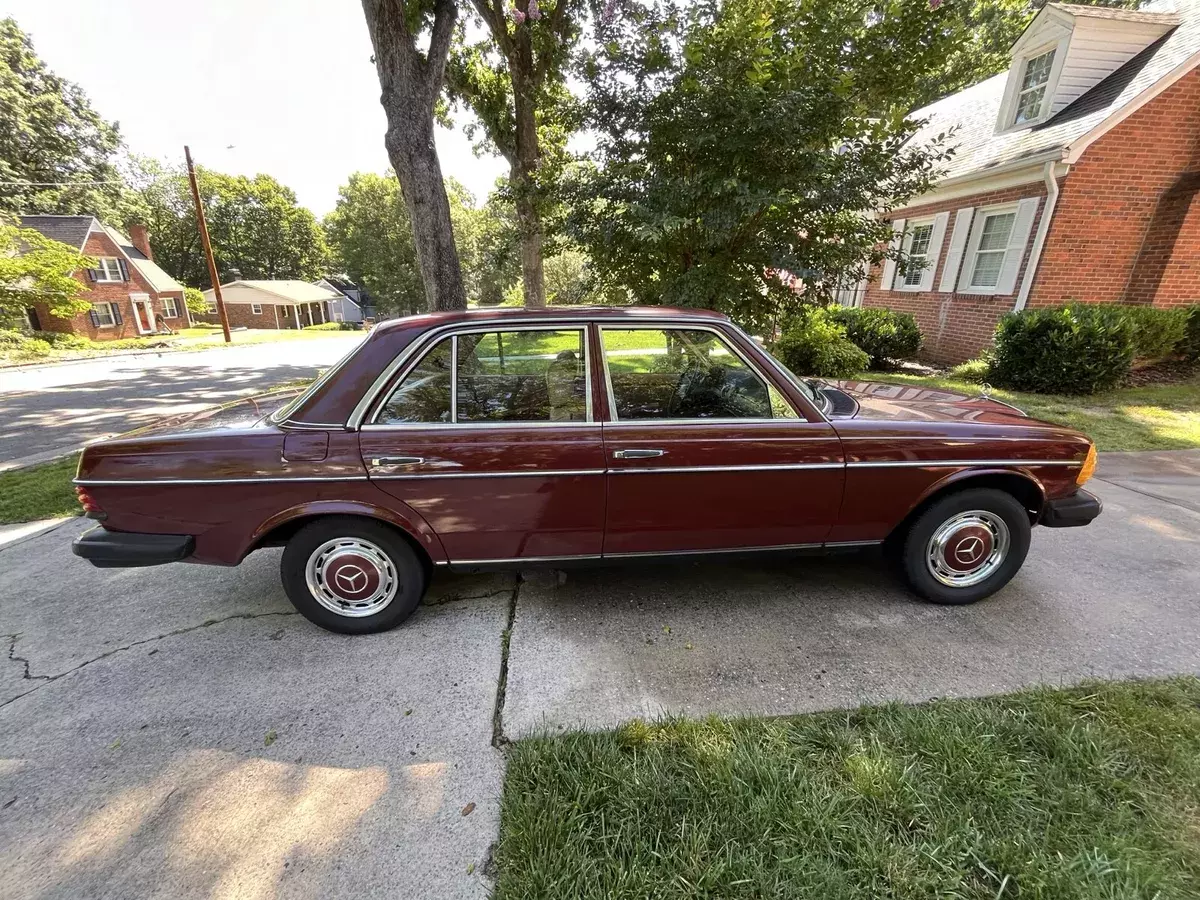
1126,227
956,326
117,292
241,316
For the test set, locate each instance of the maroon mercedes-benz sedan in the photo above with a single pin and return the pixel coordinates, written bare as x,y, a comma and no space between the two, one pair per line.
517,437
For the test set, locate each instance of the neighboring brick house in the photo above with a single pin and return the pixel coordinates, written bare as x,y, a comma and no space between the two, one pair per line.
1075,178
271,304
129,295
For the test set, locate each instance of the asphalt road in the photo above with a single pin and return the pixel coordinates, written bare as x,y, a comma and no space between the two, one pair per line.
179,731
48,410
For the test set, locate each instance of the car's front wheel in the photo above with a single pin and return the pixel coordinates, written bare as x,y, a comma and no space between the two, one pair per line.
966,546
352,575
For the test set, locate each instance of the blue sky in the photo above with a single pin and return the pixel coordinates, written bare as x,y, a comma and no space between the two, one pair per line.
288,83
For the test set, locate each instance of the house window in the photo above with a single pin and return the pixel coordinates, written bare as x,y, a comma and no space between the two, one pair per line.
104,315
993,245
917,257
256,308
1033,87
109,269
170,308
210,307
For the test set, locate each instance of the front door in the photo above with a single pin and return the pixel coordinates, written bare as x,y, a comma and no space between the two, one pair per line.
143,313
489,436
705,453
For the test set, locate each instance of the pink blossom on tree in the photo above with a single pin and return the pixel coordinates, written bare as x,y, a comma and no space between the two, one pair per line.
517,16
535,11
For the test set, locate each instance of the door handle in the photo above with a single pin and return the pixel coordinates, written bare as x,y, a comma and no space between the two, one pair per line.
637,454
397,460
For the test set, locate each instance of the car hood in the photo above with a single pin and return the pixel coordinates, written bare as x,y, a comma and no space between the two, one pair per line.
880,400
239,414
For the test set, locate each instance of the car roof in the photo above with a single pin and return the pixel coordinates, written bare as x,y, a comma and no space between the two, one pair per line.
504,313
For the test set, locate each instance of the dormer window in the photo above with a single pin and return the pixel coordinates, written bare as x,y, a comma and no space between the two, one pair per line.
1033,87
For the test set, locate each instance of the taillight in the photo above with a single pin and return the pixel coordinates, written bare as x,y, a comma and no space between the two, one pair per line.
1089,466
91,508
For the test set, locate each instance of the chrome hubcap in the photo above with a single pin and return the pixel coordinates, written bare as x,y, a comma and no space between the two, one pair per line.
968,548
351,577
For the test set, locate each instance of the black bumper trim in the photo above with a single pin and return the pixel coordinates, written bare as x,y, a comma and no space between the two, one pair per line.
1071,512
106,549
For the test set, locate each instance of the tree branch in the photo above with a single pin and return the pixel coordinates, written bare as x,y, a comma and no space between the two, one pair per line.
445,12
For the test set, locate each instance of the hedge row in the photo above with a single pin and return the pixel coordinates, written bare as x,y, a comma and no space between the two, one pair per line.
837,342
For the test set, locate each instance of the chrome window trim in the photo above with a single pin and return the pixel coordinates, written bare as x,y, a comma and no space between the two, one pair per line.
785,373
422,341
634,423
652,325
459,426
455,331
92,482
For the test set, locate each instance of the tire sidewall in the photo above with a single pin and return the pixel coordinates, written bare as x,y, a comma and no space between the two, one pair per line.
1000,503
409,572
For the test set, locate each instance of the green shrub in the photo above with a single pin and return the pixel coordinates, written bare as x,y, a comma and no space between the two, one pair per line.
884,335
818,346
976,371
1075,349
16,345
1156,332
1189,346
61,340
10,339
324,326
350,326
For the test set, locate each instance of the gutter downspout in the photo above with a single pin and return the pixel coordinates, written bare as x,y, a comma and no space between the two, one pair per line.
1039,241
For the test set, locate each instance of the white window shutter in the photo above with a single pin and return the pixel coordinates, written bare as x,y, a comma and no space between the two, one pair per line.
889,265
968,261
1017,239
958,243
940,221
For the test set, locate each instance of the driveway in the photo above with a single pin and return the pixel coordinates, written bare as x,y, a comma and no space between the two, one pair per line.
179,731
52,409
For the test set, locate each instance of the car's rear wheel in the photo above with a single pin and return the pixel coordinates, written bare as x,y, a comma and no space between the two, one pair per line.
966,546
352,575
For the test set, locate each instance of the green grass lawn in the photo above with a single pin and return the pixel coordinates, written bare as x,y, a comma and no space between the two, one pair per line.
39,492
1084,794
1155,417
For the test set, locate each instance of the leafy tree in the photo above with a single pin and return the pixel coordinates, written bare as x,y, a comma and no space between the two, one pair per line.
747,151
257,228
411,80
515,82
50,133
193,299
35,269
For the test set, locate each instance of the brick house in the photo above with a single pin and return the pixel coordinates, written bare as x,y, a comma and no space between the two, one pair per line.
1075,178
271,304
129,295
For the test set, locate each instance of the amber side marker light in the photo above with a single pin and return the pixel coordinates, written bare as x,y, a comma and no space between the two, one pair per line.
91,508
1089,466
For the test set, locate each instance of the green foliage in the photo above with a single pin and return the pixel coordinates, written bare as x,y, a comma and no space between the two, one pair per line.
15,345
193,299
63,340
325,326
1189,346
257,228
817,345
741,147
50,133
39,492
886,336
1077,349
974,371
1156,332
35,269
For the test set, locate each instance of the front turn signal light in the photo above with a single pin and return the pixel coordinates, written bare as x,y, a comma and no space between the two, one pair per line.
1089,466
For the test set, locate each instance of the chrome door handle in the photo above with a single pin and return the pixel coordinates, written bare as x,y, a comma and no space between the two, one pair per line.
637,454
397,460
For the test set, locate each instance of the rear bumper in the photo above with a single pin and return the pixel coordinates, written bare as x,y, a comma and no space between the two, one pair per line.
106,549
1069,512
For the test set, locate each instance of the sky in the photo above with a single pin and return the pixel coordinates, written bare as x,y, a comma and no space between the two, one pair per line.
283,87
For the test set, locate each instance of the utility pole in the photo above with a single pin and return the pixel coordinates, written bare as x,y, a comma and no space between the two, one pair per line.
208,254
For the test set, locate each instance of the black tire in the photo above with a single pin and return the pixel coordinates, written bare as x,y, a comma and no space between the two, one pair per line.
348,547
953,512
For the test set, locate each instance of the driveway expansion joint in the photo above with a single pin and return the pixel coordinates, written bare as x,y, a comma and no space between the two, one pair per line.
48,679
499,741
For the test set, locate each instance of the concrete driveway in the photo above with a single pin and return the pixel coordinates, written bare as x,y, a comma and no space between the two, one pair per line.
52,409
180,732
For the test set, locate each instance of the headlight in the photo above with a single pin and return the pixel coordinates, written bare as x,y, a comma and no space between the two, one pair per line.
1089,466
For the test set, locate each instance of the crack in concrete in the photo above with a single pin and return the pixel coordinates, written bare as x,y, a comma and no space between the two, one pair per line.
499,741
460,598
48,679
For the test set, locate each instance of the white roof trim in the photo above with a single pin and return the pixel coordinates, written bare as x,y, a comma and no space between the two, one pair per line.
1075,149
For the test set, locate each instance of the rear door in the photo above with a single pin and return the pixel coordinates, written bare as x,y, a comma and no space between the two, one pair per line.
490,436
705,452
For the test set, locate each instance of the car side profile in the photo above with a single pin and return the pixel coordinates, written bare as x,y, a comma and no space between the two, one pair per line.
482,439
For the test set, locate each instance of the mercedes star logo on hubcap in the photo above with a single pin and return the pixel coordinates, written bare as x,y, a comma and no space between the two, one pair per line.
351,578
969,549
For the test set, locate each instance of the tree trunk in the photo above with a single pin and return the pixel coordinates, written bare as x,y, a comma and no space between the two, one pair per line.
411,83
524,168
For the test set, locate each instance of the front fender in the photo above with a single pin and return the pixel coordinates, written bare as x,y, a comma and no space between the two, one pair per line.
969,474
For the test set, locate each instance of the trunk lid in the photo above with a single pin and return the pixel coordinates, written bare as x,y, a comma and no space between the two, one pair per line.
238,414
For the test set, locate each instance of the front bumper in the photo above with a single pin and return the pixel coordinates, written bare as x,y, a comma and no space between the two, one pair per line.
106,549
1070,512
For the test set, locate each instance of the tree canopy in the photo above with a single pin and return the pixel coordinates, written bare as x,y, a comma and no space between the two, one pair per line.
743,146
257,228
49,133
35,269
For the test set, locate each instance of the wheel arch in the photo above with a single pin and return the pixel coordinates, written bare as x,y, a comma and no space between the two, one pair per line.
1020,483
